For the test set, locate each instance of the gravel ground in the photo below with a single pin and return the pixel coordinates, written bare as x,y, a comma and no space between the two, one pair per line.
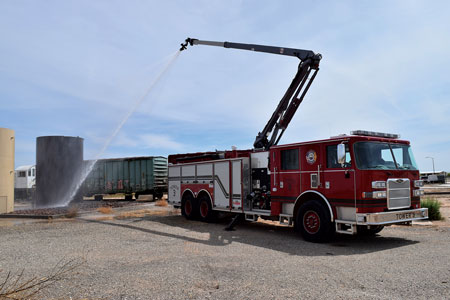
81,207
155,253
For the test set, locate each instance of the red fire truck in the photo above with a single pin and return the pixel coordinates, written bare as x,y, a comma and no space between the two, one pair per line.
349,184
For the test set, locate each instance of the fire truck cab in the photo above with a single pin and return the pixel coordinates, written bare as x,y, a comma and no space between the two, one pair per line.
350,184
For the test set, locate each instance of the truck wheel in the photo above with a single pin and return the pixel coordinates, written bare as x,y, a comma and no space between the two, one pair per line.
314,222
128,197
205,210
365,231
188,207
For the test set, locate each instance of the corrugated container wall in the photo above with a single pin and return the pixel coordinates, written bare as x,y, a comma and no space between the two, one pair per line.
127,175
59,163
7,141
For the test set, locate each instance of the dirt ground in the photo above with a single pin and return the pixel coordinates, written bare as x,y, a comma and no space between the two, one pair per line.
152,252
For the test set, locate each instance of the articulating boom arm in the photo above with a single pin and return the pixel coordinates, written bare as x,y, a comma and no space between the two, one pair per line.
281,117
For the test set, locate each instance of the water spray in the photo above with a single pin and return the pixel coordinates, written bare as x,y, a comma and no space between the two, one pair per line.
137,103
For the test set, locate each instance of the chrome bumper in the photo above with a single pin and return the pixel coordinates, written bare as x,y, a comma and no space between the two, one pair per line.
392,217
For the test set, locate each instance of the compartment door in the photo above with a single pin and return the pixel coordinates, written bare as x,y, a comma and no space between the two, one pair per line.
174,185
222,184
237,184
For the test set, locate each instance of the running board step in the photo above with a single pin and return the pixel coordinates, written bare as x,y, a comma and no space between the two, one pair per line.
251,217
285,220
345,227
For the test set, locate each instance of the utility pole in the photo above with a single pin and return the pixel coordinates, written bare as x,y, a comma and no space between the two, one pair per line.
432,159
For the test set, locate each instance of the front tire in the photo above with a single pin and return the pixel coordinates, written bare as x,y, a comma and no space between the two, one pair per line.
372,231
314,222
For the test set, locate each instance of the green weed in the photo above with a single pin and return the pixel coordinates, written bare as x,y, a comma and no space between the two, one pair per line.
433,206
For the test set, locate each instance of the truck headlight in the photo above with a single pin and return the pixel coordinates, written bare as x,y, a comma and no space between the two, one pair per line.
378,184
418,183
375,195
418,193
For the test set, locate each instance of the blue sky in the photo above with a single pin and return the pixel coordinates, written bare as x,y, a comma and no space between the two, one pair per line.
77,67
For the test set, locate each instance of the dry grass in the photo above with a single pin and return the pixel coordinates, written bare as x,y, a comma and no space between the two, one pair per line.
107,210
21,286
162,202
134,214
104,218
146,212
72,212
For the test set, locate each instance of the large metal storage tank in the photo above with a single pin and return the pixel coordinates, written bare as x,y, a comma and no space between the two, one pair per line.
6,170
59,164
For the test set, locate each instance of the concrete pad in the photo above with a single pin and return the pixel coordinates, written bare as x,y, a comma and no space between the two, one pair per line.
422,223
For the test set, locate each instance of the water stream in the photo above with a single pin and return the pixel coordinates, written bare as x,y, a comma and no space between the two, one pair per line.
91,163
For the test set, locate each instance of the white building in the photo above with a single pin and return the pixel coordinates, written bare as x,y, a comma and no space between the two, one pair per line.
434,177
25,177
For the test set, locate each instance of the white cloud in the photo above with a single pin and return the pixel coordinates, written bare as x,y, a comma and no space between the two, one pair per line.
147,141
159,141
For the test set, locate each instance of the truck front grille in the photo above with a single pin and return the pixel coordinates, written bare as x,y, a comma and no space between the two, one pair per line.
398,193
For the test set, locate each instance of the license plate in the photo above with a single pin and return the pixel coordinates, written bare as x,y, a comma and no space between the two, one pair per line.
406,215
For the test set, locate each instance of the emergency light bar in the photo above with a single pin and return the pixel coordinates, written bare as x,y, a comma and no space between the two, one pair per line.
377,134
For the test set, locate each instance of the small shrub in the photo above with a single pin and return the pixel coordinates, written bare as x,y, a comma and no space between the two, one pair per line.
105,210
72,212
433,206
162,202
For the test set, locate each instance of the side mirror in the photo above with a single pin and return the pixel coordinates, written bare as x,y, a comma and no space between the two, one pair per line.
341,153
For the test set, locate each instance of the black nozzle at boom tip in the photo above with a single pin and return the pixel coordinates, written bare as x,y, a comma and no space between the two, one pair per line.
187,42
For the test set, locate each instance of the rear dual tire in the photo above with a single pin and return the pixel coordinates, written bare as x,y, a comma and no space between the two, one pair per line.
198,208
206,213
189,207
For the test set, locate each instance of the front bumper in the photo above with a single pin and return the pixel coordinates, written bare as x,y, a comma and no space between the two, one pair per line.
392,217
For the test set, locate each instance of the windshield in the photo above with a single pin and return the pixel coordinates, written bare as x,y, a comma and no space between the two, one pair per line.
384,156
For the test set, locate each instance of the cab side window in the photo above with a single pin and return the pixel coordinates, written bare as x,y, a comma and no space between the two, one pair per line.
289,159
332,161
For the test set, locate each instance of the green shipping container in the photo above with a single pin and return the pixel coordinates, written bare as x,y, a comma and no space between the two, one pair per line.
139,175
